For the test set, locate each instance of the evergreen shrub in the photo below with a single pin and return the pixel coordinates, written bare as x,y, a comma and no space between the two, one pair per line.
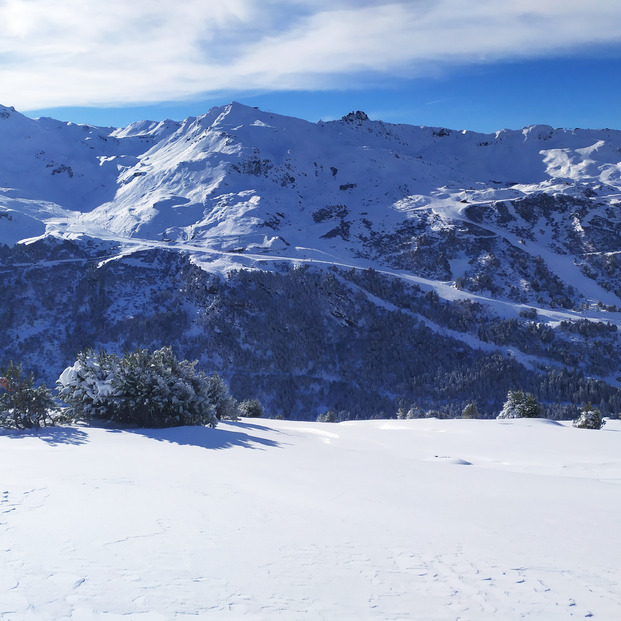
142,388
589,418
520,405
251,408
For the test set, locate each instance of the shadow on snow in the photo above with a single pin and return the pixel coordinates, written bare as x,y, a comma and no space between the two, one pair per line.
53,436
205,437
245,425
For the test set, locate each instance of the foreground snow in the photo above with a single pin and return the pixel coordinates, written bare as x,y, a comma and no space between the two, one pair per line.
423,519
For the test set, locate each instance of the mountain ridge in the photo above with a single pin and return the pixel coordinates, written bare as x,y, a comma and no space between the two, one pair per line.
525,224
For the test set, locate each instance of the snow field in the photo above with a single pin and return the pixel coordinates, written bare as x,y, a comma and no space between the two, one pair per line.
262,519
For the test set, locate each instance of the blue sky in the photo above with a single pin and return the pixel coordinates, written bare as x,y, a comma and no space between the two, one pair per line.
466,64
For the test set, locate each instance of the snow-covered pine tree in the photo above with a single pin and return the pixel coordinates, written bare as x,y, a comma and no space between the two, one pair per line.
147,389
415,412
251,408
87,387
520,405
219,394
157,390
589,418
511,407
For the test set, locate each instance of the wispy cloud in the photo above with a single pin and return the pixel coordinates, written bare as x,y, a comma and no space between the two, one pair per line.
83,52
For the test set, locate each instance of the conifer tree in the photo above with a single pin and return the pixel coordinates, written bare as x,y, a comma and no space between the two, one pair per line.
251,408
470,411
147,389
88,386
520,405
22,404
589,418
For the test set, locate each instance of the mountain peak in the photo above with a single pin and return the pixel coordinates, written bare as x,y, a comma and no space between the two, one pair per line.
240,111
355,117
6,111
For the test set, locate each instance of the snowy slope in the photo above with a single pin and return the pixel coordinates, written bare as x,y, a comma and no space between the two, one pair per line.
426,520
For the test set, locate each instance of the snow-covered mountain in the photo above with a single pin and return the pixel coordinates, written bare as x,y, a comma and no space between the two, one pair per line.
369,245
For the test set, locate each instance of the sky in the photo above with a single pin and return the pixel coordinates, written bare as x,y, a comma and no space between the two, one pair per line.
481,65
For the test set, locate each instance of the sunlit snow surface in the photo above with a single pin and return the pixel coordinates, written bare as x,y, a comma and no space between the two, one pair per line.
262,519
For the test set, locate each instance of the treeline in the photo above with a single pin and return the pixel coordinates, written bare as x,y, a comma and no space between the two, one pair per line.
155,389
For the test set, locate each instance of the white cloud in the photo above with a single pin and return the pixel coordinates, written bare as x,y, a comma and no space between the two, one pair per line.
84,52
